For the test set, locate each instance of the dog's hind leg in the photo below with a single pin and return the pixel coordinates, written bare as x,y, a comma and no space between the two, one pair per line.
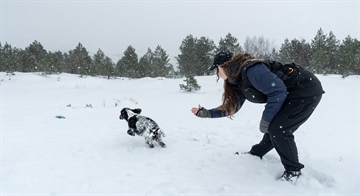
148,140
161,143
157,137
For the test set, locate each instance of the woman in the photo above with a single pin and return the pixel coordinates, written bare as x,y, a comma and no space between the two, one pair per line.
290,92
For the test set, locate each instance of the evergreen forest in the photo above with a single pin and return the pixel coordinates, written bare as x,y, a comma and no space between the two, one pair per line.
324,54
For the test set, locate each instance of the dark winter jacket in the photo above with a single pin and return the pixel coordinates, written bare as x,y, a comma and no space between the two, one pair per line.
271,83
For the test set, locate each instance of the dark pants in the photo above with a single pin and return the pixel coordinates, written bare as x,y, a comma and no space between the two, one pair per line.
292,114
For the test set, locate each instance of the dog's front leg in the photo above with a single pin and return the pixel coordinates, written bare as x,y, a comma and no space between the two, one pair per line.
131,132
151,145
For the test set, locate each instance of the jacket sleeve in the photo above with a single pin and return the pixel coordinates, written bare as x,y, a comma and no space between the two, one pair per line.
268,83
216,113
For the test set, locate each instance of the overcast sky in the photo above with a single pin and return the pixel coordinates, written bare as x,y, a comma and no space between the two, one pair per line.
114,25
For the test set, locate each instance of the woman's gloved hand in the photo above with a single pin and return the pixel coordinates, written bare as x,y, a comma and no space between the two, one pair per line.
201,112
264,126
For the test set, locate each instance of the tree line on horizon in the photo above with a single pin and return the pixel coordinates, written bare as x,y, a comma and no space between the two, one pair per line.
325,54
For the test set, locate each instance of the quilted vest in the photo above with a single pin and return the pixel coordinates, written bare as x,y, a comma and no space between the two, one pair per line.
288,73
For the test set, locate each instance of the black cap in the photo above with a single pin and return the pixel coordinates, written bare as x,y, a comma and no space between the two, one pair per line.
220,58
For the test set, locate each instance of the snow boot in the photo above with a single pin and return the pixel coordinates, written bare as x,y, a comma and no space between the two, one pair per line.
238,153
245,153
290,176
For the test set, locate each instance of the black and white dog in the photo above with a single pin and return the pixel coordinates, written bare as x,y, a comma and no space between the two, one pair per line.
143,126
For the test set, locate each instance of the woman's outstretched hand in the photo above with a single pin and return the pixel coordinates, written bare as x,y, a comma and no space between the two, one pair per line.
196,110
201,112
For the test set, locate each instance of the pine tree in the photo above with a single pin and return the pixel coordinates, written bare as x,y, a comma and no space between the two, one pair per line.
196,56
319,57
229,43
56,61
102,65
191,84
46,67
285,52
349,57
98,61
8,59
295,51
145,64
80,60
109,68
187,59
67,64
204,55
33,58
128,65
332,48
160,62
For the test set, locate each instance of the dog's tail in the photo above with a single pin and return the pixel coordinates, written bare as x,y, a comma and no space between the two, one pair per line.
160,132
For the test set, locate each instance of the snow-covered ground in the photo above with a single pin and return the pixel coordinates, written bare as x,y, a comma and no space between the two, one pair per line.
90,153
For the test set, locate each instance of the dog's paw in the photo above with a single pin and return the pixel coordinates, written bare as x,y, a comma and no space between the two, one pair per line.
162,144
151,145
130,132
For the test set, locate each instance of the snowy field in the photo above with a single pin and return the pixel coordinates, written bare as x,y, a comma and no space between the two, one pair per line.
90,153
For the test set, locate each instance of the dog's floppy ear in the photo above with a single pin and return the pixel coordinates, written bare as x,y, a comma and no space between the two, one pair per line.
137,110
123,114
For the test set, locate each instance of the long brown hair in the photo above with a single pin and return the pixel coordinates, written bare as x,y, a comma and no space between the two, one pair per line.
230,97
